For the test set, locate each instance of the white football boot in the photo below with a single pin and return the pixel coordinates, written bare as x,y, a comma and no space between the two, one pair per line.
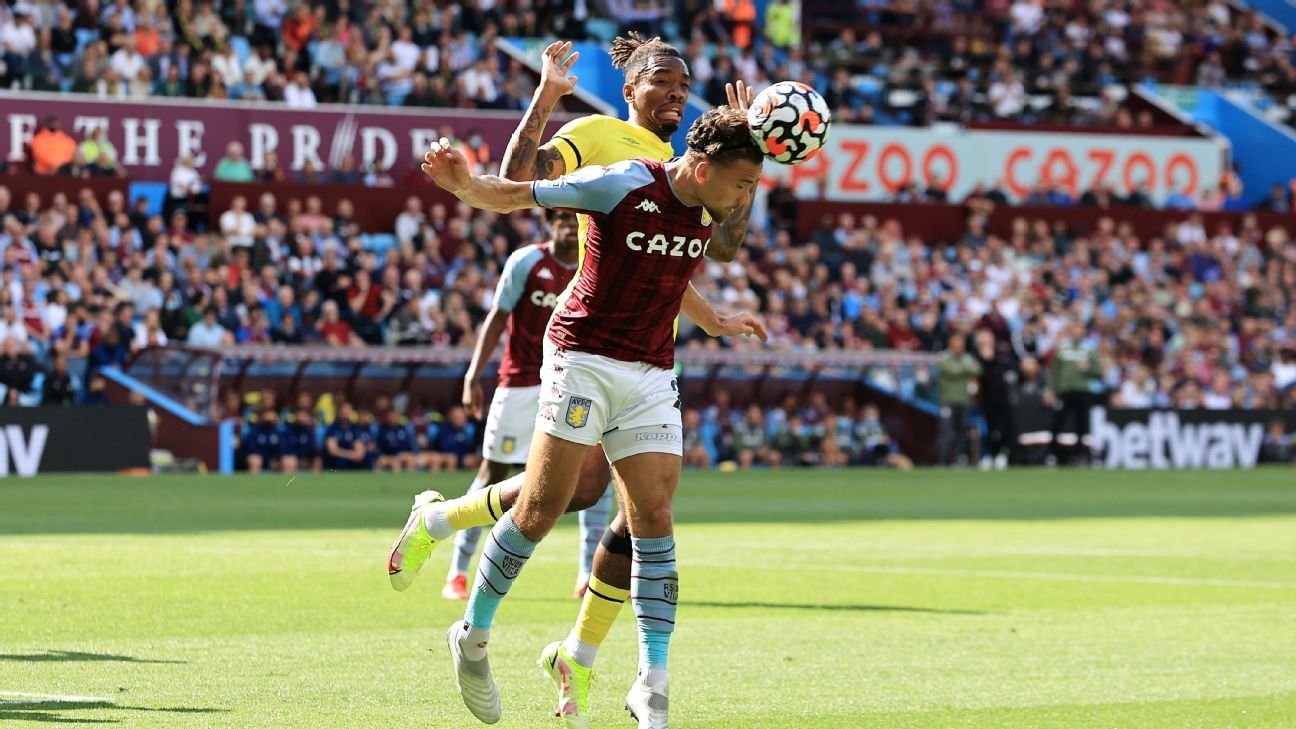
649,705
476,684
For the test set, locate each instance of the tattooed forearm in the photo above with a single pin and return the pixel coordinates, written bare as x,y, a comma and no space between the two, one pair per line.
728,237
523,157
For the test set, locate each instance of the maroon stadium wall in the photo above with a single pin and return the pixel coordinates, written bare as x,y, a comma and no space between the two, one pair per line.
151,134
47,187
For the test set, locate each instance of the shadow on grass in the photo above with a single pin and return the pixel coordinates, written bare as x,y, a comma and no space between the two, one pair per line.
43,711
59,656
752,605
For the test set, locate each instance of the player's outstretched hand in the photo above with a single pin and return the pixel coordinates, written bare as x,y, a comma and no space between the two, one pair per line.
744,324
446,166
472,399
554,81
740,95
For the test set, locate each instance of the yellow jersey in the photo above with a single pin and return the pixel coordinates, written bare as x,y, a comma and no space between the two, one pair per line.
602,140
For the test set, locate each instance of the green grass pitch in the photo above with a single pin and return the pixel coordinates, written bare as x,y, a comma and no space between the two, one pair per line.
809,600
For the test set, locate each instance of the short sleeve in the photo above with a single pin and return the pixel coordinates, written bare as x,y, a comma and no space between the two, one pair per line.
578,141
592,189
513,279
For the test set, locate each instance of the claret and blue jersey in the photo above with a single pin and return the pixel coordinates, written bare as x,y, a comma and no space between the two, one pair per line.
642,246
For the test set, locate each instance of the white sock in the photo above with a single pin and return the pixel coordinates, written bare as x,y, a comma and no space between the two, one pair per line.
653,677
580,651
437,523
473,641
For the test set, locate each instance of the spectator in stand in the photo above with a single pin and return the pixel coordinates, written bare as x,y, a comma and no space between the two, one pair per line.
334,331
17,366
298,93
96,392
1278,446
344,444
51,148
58,389
208,332
186,186
234,167
237,224
98,155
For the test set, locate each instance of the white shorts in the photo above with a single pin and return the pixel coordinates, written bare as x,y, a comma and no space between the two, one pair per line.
509,424
630,407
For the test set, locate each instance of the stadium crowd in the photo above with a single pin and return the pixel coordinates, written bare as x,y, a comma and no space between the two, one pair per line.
883,62
1021,61
1032,60
1189,318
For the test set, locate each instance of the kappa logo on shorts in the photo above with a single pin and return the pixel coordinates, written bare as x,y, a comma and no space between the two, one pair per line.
578,410
509,444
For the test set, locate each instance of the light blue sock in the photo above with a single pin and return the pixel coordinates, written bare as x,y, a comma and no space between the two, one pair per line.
654,592
506,553
593,522
466,540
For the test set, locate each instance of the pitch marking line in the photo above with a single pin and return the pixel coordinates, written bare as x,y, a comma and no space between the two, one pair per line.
26,698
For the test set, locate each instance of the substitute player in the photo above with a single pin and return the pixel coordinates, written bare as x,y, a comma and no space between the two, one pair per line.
608,376
528,289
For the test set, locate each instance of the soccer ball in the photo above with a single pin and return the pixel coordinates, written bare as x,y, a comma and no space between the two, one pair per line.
789,122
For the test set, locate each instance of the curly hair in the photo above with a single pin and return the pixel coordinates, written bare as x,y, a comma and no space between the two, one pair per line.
632,54
722,135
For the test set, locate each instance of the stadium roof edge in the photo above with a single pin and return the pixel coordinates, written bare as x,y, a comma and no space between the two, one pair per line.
511,49
1151,96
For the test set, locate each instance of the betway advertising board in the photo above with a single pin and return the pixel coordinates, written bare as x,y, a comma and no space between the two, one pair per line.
871,163
151,134
1162,439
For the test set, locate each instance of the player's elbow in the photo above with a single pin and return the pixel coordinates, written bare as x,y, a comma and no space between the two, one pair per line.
722,254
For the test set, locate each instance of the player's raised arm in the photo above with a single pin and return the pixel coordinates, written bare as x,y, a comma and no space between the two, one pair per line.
449,170
525,159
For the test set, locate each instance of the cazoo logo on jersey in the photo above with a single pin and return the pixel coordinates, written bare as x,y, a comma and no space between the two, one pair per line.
540,298
676,246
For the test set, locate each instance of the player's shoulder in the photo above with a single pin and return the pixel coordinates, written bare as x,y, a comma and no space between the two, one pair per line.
589,125
635,172
526,256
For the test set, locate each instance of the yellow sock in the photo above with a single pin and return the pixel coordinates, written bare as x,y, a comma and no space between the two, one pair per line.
599,610
475,508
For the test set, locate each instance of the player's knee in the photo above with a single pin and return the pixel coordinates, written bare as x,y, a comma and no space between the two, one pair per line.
652,522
